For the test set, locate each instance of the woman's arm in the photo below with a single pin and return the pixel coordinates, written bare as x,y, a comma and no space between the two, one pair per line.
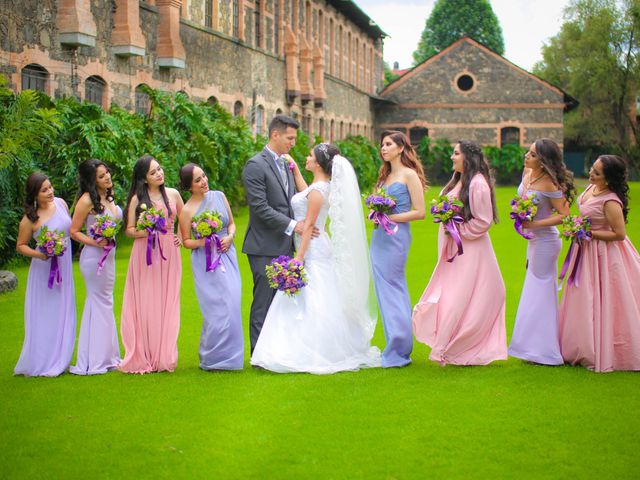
416,192
560,205
132,219
227,241
185,230
80,214
25,231
297,176
481,209
615,218
313,209
177,199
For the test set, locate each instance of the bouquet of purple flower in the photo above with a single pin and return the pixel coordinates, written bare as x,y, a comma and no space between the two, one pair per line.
286,274
104,228
523,209
53,244
207,225
447,211
154,222
578,230
381,204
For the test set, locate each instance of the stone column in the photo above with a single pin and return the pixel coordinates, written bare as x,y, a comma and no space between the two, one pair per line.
318,77
306,63
75,23
170,50
127,39
291,61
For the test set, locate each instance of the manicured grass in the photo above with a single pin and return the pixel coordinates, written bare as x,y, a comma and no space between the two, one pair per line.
507,420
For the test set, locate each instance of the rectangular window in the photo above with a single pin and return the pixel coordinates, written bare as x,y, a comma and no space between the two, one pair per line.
276,26
208,13
236,19
258,22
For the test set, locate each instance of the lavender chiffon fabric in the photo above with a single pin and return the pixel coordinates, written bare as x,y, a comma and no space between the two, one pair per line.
535,335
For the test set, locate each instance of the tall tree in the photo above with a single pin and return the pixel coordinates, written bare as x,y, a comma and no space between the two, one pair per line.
596,58
454,19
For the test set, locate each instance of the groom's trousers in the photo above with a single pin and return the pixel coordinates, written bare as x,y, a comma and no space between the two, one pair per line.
262,296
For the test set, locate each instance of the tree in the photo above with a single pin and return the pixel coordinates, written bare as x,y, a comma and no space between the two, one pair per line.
389,76
454,19
596,58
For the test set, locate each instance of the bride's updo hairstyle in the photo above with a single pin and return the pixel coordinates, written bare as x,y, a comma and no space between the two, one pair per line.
324,153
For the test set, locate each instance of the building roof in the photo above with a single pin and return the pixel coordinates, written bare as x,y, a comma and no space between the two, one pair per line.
353,12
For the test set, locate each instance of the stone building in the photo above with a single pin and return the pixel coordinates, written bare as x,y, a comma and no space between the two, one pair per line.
317,60
468,91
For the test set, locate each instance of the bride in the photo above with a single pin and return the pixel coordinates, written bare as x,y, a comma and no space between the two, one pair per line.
328,326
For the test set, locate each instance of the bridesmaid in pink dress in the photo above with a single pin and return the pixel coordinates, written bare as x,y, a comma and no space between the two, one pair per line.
151,305
461,314
600,316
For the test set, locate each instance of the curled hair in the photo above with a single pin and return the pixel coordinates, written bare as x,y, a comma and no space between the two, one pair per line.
140,189
324,153
281,122
186,176
552,164
87,172
32,188
473,163
408,157
614,170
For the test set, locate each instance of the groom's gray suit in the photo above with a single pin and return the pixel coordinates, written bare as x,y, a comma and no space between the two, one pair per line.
270,217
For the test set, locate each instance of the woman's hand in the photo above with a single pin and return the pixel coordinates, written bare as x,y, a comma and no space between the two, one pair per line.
299,259
102,243
41,256
176,240
226,242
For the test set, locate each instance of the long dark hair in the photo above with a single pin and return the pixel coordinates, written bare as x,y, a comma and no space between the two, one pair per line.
87,171
614,170
552,164
140,189
32,188
473,163
324,153
408,157
186,176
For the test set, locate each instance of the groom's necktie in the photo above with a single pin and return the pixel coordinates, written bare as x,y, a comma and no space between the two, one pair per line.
283,164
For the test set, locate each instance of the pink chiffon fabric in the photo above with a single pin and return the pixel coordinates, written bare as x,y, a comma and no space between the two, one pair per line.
461,314
600,317
151,305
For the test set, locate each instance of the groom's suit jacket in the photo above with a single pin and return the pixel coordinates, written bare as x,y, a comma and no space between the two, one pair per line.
270,210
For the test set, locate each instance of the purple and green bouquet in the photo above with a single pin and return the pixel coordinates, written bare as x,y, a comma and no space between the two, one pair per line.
53,244
287,275
104,228
381,205
207,225
154,221
523,209
578,230
447,211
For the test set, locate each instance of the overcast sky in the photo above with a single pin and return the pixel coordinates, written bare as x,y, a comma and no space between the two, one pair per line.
526,25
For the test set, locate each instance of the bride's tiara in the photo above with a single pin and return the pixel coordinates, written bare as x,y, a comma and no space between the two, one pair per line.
324,148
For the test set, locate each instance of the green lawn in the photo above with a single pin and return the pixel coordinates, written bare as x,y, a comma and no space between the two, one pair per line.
507,420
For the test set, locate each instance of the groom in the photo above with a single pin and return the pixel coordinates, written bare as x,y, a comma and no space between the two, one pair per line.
269,186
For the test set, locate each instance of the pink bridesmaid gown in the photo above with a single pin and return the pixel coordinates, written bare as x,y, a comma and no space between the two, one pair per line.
151,305
461,314
600,317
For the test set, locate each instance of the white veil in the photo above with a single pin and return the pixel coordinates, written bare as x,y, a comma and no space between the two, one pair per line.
350,247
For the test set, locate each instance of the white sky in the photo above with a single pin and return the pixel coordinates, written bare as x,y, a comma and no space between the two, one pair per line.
526,25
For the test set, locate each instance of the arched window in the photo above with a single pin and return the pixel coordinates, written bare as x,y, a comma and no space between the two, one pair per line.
238,109
306,124
509,136
416,134
183,93
278,111
341,130
332,131
212,100
94,90
260,120
34,77
321,128
143,102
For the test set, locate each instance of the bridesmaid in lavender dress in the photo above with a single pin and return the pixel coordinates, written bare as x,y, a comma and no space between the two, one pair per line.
218,290
98,349
535,334
49,313
401,175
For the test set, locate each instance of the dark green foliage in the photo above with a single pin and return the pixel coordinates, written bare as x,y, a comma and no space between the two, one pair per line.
435,158
454,19
506,162
364,158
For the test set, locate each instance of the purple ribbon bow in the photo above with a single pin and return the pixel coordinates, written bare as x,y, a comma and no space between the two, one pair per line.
452,227
518,226
152,239
379,218
574,274
111,244
54,273
213,246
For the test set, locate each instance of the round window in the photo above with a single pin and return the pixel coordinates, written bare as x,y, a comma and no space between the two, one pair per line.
465,82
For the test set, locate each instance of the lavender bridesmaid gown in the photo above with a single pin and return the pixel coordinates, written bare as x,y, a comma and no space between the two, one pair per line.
219,297
49,313
98,349
388,259
535,334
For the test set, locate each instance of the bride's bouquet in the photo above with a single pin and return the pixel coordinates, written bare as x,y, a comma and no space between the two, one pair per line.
578,230
53,244
154,222
207,225
381,204
447,211
287,275
104,228
523,209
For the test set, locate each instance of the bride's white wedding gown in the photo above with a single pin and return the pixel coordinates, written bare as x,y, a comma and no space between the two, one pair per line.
312,332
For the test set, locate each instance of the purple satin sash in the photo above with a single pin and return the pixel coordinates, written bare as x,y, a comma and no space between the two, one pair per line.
152,239
54,273
452,227
213,246
105,253
574,274
380,218
517,224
